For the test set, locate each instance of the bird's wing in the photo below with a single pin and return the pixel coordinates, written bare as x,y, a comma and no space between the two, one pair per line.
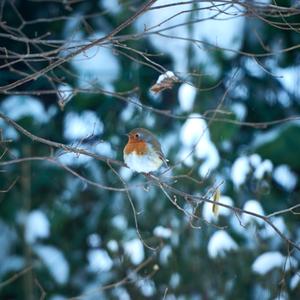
152,139
160,152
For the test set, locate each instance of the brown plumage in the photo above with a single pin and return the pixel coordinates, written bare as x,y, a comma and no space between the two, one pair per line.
139,147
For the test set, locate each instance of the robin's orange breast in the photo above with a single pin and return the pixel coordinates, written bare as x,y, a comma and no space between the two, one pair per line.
139,147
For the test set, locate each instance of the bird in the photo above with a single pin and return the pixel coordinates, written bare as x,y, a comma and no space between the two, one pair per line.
143,153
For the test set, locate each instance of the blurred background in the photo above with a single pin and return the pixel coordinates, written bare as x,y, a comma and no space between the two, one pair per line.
227,119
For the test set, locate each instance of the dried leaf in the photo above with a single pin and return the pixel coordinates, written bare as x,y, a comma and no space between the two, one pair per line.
164,81
216,199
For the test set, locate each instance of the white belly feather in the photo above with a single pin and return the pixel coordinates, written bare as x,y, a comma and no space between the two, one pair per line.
143,163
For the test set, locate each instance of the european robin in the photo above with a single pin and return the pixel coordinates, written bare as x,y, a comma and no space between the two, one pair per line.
143,152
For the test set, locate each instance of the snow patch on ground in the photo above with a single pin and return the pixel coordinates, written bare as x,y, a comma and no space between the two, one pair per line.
36,226
194,135
243,165
240,110
18,107
73,159
255,160
119,222
223,31
125,173
174,280
219,243
290,79
186,96
135,251
162,232
165,254
254,207
99,260
80,126
177,49
239,171
268,231
284,176
105,149
112,245
97,64
112,6
253,67
94,240
265,167
270,260
147,287
295,281
54,261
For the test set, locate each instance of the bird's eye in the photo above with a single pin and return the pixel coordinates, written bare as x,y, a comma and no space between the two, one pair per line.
137,135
